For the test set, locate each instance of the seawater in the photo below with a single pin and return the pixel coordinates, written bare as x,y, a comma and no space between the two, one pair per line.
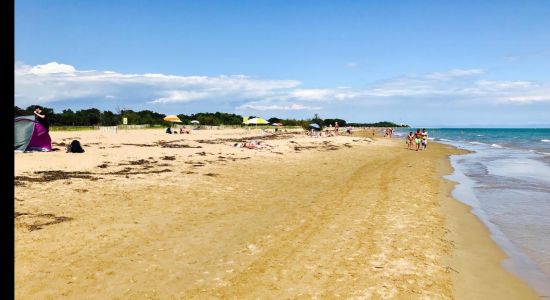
506,181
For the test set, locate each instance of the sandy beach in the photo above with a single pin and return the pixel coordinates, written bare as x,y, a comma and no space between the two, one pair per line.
147,215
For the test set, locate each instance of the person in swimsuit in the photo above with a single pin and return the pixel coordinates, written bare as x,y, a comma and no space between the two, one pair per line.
410,139
424,139
417,139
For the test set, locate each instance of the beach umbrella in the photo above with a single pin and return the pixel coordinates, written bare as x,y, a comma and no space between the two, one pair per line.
172,118
195,122
315,125
277,124
256,121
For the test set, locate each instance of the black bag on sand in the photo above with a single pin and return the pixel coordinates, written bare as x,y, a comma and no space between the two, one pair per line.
74,147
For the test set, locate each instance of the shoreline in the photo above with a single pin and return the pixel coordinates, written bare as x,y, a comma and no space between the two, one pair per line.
515,261
299,218
475,250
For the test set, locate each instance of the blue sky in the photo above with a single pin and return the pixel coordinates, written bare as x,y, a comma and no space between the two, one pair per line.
425,63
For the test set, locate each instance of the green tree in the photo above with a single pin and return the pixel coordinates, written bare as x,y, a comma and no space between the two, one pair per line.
274,120
108,118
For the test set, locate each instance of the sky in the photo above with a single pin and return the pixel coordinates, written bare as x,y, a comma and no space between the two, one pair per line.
422,63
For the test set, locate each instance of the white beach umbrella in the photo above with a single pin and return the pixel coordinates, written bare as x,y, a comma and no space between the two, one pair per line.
257,121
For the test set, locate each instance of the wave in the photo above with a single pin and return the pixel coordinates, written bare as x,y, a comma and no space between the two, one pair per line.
478,143
545,141
496,146
539,152
445,140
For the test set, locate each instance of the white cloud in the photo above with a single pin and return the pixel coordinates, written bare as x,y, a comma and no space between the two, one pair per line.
52,82
437,83
528,98
180,96
460,86
529,95
263,107
503,85
454,73
310,94
52,68
318,95
48,83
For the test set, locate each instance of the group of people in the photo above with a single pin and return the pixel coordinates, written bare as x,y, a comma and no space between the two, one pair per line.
175,131
337,128
329,131
418,140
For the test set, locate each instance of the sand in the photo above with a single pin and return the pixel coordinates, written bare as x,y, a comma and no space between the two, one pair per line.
146,215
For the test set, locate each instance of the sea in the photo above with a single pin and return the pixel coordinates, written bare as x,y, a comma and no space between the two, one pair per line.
506,181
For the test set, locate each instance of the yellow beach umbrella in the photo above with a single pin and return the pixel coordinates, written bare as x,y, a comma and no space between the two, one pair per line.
172,118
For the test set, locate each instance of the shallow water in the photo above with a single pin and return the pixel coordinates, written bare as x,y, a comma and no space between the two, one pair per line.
506,180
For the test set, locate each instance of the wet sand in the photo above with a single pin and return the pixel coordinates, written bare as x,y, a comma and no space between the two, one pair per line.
146,215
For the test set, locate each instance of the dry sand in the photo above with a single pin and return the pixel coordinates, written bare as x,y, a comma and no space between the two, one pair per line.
146,215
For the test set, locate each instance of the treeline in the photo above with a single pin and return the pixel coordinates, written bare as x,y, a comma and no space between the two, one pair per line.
214,119
378,124
93,117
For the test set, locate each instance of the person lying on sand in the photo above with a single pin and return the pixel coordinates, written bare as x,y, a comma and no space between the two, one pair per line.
253,144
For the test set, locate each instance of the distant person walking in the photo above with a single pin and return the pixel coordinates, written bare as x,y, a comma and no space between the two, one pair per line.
424,139
410,140
336,127
417,139
388,132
